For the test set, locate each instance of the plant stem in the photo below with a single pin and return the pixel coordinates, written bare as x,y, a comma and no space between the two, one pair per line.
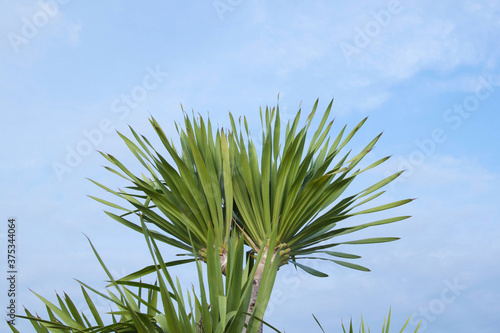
255,291
257,278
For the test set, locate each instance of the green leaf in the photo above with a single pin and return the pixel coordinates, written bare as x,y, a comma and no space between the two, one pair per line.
318,323
151,269
372,240
310,270
342,255
93,309
351,265
64,315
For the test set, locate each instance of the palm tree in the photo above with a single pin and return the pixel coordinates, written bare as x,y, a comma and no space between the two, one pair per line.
217,182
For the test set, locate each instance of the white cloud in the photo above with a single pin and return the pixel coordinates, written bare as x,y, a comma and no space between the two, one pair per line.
443,173
411,42
282,50
30,28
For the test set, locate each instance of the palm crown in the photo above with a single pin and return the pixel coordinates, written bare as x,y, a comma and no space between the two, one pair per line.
217,183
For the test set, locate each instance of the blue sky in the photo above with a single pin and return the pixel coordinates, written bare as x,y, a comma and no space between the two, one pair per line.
425,73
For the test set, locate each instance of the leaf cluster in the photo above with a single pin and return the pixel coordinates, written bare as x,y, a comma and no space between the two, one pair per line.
217,182
220,305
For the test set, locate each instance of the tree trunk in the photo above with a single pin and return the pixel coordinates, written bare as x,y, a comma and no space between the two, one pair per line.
255,291
259,272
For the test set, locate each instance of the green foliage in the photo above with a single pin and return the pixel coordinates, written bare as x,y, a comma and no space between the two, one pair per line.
365,328
161,307
217,182
211,198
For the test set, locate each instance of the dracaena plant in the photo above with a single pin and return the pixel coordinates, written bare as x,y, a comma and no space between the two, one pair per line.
219,306
216,181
